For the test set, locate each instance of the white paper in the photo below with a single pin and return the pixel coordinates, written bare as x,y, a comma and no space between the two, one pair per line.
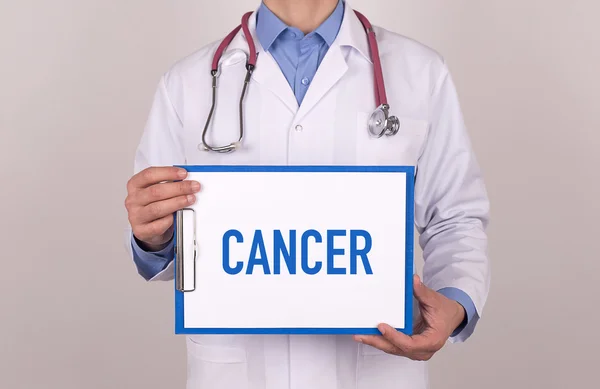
300,201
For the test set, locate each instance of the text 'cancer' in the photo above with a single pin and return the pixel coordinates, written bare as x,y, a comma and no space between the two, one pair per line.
296,256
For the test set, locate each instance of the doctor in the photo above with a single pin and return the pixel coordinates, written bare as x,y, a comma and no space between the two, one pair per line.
308,101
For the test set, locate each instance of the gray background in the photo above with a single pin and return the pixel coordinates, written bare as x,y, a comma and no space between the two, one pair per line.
77,81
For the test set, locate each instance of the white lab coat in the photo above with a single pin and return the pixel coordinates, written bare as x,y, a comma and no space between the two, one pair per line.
330,128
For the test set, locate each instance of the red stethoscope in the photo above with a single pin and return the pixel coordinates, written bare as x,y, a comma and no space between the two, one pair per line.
380,122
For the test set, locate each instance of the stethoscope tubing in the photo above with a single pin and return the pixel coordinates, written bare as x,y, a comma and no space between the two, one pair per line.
388,126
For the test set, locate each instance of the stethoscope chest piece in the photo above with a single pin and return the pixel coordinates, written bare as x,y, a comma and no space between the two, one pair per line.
380,123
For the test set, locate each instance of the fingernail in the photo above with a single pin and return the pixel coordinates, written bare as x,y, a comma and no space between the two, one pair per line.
382,330
191,199
182,173
358,339
195,186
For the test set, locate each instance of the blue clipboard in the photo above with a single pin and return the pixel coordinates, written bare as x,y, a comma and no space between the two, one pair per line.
181,328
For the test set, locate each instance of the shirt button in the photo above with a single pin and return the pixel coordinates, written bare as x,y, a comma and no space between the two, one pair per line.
298,128
305,81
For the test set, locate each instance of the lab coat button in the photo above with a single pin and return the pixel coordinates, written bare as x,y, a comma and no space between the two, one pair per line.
298,128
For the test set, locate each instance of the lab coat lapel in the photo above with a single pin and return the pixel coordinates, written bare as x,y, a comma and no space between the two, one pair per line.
353,34
267,72
333,67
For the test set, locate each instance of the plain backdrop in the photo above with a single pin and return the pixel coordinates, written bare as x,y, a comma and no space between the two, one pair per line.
78,77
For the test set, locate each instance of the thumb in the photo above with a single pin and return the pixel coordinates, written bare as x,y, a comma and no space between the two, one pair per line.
422,293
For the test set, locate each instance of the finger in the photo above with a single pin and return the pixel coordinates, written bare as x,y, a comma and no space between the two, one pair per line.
160,209
422,293
154,175
378,342
145,232
420,343
386,346
166,191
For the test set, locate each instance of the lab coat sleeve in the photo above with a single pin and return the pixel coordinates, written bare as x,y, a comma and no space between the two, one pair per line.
451,205
160,145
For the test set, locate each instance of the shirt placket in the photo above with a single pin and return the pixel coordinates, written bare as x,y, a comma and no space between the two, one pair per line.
307,65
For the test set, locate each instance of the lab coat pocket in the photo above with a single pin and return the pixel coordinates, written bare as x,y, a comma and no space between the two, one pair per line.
403,149
378,369
216,367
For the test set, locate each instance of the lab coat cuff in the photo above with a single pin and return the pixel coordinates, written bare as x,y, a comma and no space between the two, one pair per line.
467,303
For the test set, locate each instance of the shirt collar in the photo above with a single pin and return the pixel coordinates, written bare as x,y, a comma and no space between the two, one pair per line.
269,26
328,30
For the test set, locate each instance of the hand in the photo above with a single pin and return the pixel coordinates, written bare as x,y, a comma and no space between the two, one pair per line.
152,198
439,317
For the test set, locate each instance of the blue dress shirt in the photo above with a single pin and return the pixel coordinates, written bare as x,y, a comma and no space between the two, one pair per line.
298,55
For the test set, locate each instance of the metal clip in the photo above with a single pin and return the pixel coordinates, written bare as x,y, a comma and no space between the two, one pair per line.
185,250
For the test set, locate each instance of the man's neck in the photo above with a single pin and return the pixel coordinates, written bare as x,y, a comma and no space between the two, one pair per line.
305,15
